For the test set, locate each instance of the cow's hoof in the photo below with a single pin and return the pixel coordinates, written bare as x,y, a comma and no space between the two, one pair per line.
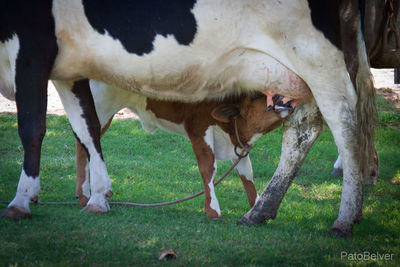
109,193
248,220
371,180
337,172
34,199
336,232
15,213
359,218
95,208
243,221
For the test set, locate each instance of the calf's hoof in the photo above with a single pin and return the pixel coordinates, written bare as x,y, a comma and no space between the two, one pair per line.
95,208
82,200
215,219
15,213
213,216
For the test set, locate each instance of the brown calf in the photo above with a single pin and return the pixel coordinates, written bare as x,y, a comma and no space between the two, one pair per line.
208,125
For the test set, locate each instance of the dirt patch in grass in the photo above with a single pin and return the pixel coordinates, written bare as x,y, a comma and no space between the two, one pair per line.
391,94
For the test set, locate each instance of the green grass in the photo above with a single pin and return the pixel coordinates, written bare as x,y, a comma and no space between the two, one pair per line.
149,168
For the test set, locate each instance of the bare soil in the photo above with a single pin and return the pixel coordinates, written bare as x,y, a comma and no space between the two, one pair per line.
384,83
54,105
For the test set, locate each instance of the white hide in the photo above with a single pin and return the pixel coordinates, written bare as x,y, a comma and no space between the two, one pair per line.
8,56
86,183
28,188
245,169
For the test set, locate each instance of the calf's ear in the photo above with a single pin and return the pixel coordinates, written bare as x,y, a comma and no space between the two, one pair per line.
225,112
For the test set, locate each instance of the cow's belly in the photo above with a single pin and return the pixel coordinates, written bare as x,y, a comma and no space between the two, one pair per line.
241,70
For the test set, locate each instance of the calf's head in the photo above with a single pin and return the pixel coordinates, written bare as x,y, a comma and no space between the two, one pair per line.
252,117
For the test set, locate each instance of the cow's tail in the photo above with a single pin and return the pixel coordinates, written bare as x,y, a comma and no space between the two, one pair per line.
366,117
358,67
366,106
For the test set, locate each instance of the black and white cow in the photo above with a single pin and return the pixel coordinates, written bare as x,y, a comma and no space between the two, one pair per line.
190,50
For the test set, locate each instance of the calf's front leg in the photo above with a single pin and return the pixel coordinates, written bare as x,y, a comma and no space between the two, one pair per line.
82,190
245,173
203,149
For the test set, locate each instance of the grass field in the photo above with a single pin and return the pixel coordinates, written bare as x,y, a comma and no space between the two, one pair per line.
151,168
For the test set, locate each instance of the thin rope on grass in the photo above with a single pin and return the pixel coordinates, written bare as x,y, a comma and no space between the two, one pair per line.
133,204
246,148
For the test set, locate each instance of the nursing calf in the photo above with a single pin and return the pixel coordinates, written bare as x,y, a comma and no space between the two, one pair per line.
209,125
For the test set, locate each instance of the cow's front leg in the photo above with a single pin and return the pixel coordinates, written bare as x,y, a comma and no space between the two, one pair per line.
31,62
203,149
78,103
301,129
245,172
82,190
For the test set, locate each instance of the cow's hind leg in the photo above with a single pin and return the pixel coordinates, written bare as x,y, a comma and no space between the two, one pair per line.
78,103
301,129
337,167
341,118
33,62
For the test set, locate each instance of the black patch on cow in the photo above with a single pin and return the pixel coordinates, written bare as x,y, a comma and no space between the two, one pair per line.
136,23
325,17
34,26
362,13
82,91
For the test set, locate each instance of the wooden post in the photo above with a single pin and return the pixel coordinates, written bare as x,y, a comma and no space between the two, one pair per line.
396,75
